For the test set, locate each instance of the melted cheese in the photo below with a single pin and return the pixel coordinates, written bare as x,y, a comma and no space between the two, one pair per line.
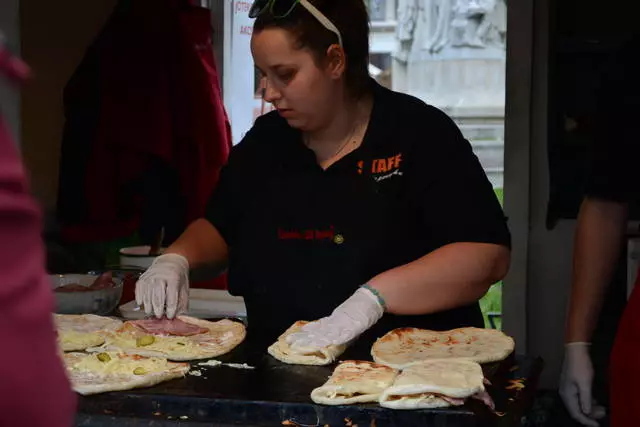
120,364
418,397
78,340
346,395
161,343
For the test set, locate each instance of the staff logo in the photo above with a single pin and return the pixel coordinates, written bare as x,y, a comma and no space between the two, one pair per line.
382,169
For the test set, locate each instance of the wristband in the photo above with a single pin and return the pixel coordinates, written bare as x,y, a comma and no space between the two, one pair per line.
376,294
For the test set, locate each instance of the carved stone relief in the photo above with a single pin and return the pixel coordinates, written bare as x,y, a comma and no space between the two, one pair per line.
441,24
407,16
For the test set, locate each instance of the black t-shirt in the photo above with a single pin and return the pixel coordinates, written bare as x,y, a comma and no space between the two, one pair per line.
615,157
303,239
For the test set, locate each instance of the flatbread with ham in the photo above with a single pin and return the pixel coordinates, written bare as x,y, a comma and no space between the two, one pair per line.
181,339
282,351
404,347
436,384
354,382
77,332
113,371
175,327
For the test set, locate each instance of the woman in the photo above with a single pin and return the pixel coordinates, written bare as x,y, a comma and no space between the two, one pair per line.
349,196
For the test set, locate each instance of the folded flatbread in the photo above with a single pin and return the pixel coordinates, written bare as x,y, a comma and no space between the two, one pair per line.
282,351
182,339
111,371
354,382
405,346
436,384
77,332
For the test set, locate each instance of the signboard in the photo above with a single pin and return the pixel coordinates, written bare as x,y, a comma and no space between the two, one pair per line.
242,88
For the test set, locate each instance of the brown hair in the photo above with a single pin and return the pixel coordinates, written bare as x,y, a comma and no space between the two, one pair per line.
352,20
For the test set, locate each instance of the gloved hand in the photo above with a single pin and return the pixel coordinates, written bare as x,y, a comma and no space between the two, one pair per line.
351,318
575,385
164,287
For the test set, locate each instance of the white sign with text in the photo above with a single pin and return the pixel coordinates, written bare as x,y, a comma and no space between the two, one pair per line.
241,99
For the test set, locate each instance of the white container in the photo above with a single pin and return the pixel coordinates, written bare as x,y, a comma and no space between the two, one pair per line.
137,256
203,304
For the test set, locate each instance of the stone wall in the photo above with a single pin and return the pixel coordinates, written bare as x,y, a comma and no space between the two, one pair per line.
451,54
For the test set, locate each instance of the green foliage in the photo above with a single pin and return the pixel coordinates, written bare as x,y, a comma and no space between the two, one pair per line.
492,301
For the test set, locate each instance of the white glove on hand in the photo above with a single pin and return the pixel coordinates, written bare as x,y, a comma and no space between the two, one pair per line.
351,318
165,283
575,385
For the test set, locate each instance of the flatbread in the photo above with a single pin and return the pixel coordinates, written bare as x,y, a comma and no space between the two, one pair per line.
77,332
221,337
434,384
403,347
90,375
282,351
354,382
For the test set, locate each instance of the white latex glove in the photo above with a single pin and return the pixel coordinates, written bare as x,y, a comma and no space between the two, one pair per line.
351,318
164,287
575,385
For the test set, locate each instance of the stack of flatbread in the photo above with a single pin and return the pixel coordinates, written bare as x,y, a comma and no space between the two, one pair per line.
419,369
122,356
425,385
436,384
404,347
282,351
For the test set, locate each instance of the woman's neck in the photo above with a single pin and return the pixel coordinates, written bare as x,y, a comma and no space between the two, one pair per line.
348,122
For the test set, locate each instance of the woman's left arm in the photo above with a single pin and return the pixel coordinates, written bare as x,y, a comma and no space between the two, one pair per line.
454,275
462,219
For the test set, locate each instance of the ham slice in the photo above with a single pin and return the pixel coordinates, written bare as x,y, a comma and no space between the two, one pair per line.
165,326
451,400
105,280
485,398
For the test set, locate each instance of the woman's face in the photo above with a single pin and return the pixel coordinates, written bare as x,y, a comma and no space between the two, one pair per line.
304,94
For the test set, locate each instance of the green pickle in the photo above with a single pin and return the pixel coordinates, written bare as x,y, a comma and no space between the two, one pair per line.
139,371
103,357
145,340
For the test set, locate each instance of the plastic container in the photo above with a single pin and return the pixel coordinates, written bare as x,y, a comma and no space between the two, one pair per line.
98,301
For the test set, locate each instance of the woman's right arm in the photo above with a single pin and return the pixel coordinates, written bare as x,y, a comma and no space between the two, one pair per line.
202,245
164,288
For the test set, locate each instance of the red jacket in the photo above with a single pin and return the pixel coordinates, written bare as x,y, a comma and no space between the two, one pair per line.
34,390
145,101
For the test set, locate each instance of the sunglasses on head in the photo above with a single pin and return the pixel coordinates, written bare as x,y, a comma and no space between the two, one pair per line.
282,8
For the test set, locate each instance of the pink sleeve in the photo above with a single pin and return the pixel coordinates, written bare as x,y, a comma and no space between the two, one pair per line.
34,390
